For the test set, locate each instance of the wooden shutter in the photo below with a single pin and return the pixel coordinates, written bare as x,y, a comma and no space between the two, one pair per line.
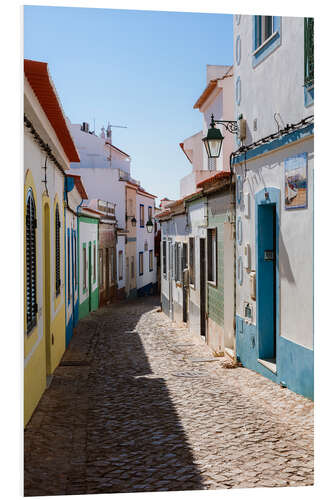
31,285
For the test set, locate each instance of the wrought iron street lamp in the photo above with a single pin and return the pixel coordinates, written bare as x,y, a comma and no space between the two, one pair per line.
133,221
214,139
149,226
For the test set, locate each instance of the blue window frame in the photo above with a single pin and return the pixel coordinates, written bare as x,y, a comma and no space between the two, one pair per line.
266,37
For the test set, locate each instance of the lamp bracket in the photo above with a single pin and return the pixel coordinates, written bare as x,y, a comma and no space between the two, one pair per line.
230,125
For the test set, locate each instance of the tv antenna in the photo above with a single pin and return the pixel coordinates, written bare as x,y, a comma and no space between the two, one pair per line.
109,136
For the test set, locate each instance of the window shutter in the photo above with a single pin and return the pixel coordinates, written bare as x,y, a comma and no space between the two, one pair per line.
31,278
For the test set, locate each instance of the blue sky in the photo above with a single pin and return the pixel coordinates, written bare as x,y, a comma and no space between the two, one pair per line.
142,69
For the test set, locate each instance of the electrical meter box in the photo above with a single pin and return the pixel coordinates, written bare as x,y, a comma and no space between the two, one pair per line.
253,285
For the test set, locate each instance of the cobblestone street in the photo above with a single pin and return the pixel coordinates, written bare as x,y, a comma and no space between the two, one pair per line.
133,407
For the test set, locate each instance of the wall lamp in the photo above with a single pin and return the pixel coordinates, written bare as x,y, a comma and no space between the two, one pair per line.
214,139
149,226
133,221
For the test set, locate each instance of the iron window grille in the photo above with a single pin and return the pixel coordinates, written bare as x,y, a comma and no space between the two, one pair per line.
57,250
31,278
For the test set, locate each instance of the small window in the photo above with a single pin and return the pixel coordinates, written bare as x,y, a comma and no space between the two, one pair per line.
30,259
84,265
264,29
142,216
164,257
151,262
120,265
212,255
57,250
140,263
192,261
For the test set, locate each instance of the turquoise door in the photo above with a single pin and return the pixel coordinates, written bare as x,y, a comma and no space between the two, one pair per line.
266,281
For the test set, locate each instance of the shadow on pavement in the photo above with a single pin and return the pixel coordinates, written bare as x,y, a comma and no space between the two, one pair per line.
108,425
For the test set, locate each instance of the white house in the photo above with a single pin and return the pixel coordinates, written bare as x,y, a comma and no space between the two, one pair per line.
145,248
273,74
103,169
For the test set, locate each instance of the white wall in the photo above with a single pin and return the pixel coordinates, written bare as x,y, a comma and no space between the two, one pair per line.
143,236
275,85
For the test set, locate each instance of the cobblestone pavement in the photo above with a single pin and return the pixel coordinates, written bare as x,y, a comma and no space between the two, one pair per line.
131,408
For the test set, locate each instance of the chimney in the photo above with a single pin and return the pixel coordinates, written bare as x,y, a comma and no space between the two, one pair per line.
85,127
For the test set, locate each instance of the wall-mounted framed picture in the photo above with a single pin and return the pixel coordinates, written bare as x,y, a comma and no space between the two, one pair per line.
296,181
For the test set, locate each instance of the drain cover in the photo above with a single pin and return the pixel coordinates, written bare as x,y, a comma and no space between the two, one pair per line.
191,374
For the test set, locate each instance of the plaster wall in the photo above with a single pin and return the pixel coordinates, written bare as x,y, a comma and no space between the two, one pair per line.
35,370
88,233
142,238
295,244
278,80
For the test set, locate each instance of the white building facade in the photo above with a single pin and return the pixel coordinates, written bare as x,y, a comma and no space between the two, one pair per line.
145,243
273,77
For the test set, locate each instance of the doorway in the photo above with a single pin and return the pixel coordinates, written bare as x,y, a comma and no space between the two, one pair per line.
47,288
266,282
203,287
89,276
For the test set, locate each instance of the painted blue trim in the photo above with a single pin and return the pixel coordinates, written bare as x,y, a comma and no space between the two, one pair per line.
239,189
294,363
238,91
239,230
308,95
268,47
70,182
238,50
145,290
277,143
240,270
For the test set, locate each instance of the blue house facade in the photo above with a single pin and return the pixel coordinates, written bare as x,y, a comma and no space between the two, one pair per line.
274,91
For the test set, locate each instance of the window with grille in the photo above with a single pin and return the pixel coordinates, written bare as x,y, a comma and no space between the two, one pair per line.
212,255
308,51
57,250
31,277
192,261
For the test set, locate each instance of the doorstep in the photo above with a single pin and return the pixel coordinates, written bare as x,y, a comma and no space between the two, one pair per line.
270,364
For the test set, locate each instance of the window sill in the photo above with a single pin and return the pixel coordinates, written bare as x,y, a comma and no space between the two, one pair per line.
266,42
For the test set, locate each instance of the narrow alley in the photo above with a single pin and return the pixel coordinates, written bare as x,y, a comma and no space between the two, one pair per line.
135,406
